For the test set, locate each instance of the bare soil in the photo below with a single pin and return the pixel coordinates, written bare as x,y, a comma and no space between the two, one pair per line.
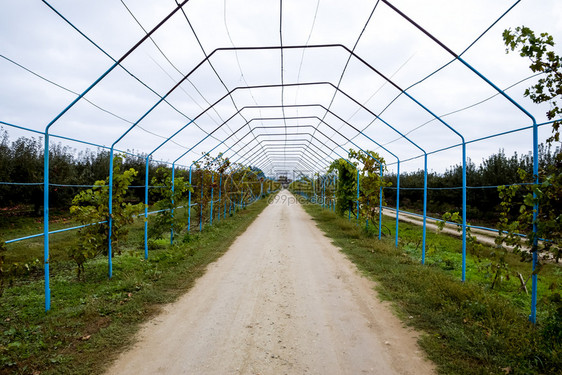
282,300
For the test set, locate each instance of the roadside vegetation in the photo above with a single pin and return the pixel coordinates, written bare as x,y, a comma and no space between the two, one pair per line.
479,326
468,328
92,317
92,320
483,200
476,327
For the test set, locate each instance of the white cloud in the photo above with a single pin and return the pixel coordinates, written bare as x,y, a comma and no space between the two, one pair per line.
34,36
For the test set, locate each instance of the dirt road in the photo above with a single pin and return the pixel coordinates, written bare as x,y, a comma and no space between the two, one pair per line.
282,300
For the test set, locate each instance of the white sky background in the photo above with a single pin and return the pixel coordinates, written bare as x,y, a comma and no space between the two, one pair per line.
35,37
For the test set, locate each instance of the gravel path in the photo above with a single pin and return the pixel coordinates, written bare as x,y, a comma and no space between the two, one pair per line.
282,300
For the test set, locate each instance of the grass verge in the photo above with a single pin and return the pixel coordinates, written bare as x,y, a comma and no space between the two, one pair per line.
468,329
91,321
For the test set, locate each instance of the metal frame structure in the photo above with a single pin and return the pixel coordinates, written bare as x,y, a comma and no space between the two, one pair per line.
266,150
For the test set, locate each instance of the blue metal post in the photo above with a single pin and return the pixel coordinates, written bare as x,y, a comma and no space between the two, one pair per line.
225,202
357,194
46,222
380,205
463,277
220,197
323,191
189,203
212,181
242,192
335,187
109,249
201,205
172,208
146,208
397,202
424,206
534,279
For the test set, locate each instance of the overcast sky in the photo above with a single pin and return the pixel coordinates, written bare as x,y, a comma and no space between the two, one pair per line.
45,62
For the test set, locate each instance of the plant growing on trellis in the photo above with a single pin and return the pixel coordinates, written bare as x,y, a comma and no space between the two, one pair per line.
91,207
546,222
346,190
171,198
208,177
370,182
547,194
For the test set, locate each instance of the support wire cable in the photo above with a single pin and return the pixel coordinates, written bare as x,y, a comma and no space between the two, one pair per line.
173,80
236,55
452,112
236,52
482,138
173,66
382,86
194,101
118,62
304,50
351,54
207,59
41,134
467,107
209,62
169,61
86,99
448,63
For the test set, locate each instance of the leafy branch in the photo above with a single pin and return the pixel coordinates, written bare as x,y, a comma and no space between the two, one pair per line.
91,208
171,197
518,202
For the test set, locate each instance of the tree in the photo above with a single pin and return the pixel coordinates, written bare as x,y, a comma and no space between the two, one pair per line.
27,164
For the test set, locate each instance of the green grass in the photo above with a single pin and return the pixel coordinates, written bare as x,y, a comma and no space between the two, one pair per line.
25,225
27,251
444,251
467,328
91,321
